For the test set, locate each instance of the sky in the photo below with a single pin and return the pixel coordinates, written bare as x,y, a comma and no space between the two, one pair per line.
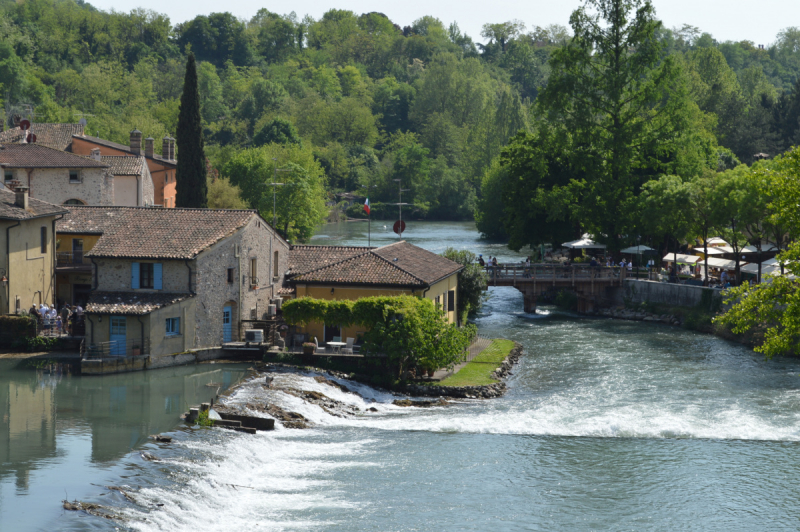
733,20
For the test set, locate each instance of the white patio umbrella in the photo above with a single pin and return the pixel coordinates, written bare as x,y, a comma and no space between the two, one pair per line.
635,250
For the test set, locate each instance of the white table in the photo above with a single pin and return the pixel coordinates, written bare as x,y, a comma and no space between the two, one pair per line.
337,346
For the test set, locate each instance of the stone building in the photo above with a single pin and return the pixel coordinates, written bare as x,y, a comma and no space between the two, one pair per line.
168,280
56,176
161,167
353,272
27,250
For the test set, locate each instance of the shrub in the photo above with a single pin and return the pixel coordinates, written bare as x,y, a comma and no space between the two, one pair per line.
15,329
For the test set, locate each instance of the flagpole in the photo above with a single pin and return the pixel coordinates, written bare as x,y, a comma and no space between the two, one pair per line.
368,208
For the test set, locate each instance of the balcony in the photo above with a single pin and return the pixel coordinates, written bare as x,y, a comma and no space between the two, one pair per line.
72,261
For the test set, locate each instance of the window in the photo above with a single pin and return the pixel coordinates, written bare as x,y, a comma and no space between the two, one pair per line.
146,275
173,326
43,235
230,275
437,301
451,300
253,272
9,176
74,176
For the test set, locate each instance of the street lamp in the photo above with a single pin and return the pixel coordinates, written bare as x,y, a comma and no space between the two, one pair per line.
369,215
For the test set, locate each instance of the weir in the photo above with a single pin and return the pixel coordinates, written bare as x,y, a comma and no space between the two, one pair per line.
588,283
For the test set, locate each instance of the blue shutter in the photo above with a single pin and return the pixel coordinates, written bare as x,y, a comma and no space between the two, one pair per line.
157,276
135,275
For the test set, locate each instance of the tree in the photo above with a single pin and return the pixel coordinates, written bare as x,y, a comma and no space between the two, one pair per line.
300,203
503,32
772,310
664,212
471,282
624,105
190,174
278,131
223,195
704,210
739,200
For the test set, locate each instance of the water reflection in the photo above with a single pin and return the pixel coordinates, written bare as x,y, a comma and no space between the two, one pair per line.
54,421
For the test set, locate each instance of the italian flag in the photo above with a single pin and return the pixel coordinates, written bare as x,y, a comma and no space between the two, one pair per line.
366,206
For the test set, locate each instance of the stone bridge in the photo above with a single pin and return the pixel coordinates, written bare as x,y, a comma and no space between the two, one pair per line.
588,283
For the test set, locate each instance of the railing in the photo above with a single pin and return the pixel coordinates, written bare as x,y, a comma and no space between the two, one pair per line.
72,259
581,271
117,348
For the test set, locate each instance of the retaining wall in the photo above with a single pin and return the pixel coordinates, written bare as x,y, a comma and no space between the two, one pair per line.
678,295
107,366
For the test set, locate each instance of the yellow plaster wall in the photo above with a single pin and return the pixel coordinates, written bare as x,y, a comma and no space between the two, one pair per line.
31,273
155,327
353,293
64,242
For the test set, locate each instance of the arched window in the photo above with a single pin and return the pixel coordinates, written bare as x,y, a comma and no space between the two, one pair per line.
74,202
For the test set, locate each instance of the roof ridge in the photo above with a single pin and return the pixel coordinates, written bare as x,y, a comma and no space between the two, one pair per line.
152,208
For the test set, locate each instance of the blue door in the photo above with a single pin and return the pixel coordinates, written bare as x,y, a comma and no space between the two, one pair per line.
226,325
117,347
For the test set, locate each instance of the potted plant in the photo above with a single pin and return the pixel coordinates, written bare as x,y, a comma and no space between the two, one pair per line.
309,348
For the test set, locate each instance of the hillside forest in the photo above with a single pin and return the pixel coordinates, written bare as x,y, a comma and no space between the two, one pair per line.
353,102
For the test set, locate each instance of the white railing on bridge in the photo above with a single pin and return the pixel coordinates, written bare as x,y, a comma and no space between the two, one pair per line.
519,272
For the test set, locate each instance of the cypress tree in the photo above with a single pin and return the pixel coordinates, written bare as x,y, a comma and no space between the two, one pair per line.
190,175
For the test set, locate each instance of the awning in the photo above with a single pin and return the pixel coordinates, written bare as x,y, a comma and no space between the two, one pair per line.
635,250
722,264
716,241
765,268
682,258
583,243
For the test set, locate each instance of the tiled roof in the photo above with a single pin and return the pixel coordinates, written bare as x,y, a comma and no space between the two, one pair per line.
40,156
36,208
400,264
286,291
419,262
57,136
303,259
152,232
89,221
131,303
124,164
122,147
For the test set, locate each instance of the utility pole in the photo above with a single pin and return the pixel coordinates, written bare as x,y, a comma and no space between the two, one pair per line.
274,184
400,204
369,215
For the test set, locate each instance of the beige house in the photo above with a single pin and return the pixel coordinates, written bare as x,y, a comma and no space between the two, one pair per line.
351,272
169,280
27,250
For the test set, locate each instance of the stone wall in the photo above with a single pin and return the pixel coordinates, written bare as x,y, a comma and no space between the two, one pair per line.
678,295
255,240
53,185
114,275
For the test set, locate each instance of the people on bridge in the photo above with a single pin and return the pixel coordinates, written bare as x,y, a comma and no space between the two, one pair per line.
593,263
481,261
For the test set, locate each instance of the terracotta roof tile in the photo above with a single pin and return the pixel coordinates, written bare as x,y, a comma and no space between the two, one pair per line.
40,156
57,136
400,264
36,208
151,232
124,164
303,259
419,262
131,303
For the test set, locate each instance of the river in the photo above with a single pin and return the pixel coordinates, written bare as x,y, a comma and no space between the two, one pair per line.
607,425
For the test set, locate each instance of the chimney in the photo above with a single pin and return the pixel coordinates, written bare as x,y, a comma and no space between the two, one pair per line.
136,142
171,149
21,197
165,147
148,146
96,154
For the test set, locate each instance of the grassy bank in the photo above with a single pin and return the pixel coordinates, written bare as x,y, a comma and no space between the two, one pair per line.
478,372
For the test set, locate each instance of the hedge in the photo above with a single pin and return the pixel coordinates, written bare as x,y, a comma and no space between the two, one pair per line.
14,328
411,331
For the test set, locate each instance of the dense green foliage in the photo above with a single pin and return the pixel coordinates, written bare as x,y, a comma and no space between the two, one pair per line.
16,329
411,331
772,309
191,189
471,282
372,102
